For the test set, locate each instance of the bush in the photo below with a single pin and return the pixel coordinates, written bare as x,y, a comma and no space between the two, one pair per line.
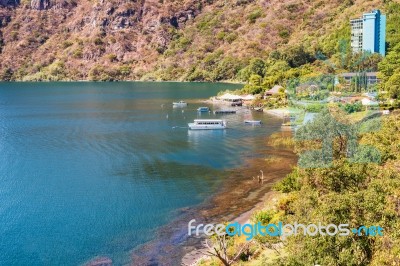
352,108
124,70
14,35
78,53
284,34
98,41
254,15
111,57
221,35
314,108
264,217
231,37
67,44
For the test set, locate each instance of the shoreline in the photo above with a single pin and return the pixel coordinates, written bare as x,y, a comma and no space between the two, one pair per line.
237,198
194,257
113,81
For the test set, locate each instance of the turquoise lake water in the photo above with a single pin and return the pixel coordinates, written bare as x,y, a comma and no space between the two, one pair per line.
93,169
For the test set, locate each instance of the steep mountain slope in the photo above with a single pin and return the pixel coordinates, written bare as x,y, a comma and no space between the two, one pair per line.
162,39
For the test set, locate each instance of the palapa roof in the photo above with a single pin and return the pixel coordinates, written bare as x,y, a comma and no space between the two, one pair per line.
275,89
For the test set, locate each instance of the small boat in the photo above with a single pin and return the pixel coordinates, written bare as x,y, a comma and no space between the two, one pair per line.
202,124
179,104
224,112
203,109
252,122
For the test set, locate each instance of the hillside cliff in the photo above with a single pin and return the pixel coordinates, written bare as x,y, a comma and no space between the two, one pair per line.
162,39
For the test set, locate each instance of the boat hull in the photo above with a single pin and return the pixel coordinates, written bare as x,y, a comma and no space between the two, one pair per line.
179,104
193,126
203,110
252,122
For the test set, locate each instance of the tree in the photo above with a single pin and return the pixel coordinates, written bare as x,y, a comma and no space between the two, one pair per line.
7,74
347,193
255,80
390,64
297,56
254,85
217,246
257,66
393,85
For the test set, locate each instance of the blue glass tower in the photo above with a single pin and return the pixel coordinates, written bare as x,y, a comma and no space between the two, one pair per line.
369,33
374,32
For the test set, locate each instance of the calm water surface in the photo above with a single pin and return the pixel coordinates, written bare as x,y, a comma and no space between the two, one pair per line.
93,169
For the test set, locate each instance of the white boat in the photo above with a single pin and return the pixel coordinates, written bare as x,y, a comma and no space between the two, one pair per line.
253,122
179,104
203,109
200,124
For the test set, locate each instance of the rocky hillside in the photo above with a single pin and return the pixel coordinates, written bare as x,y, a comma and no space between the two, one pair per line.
162,39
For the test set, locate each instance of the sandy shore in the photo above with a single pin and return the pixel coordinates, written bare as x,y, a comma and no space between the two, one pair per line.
254,198
194,257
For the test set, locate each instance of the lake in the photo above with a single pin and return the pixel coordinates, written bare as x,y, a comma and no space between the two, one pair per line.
94,169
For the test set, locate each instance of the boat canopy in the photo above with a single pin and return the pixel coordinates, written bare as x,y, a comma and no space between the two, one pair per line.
208,120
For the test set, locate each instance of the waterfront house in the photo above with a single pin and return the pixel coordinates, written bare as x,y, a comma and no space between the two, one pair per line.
273,91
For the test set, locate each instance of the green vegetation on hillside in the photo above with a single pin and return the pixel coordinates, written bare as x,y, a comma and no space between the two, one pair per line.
350,191
354,193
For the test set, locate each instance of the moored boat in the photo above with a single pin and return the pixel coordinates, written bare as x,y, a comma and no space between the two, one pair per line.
252,122
204,124
203,109
224,112
179,104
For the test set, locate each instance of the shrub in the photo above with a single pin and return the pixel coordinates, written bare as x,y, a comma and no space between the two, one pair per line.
284,34
264,217
221,35
98,41
14,35
314,108
111,57
352,108
67,44
124,70
231,37
7,74
254,15
78,53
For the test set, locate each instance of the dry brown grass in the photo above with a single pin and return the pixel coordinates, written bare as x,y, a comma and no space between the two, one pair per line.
167,38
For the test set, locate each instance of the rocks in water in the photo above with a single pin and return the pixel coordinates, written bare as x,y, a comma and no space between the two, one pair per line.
100,261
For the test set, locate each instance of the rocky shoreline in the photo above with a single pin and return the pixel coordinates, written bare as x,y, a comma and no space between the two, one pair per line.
239,196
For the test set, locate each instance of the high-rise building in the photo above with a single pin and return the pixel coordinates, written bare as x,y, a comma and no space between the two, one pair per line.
369,33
